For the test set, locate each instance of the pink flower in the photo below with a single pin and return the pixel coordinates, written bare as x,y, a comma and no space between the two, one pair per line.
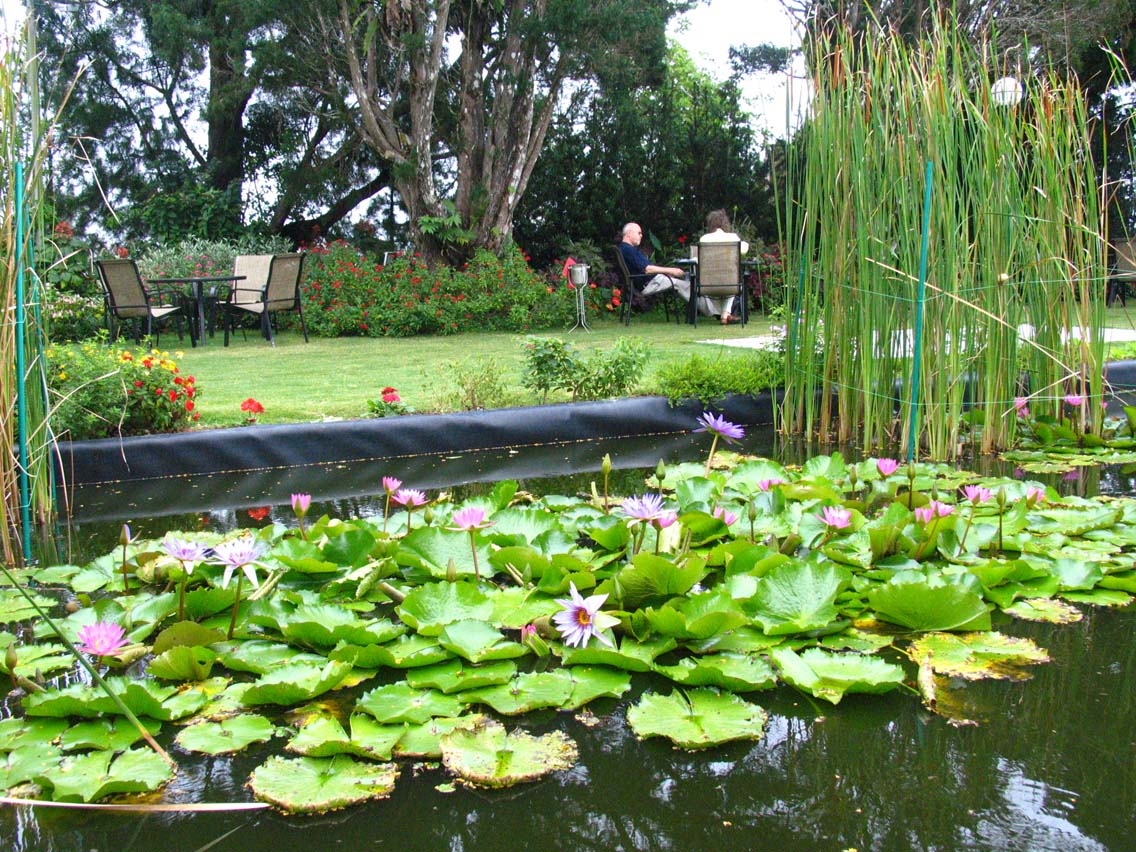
977,494
469,519
391,485
1021,406
836,518
725,515
665,519
887,467
932,510
1074,400
766,484
409,497
1035,496
101,639
301,503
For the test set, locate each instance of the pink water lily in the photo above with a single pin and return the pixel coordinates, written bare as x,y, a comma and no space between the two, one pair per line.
934,509
1035,496
301,503
725,515
1074,400
1021,406
409,498
836,518
977,494
470,518
887,467
391,485
101,639
766,484
579,621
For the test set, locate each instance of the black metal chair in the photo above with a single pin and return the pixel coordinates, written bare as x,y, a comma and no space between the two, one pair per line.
631,292
125,297
271,285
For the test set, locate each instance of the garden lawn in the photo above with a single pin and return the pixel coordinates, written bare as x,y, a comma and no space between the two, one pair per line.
334,378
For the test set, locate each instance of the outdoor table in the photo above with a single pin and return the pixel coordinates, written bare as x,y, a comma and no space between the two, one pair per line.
197,287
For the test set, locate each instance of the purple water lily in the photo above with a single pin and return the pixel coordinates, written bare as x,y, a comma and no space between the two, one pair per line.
719,427
189,554
578,621
642,509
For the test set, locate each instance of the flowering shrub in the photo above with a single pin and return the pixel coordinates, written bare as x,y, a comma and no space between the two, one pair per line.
251,409
346,293
100,392
193,256
71,316
390,404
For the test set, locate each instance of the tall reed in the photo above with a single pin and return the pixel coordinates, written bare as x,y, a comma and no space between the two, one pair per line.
24,440
1015,237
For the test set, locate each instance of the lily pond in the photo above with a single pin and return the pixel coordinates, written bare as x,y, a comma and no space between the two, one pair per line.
833,655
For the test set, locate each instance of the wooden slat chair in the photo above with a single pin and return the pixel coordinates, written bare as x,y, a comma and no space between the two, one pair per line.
125,297
720,275
272,284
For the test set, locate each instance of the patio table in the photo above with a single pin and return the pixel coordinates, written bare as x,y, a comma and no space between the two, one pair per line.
197,290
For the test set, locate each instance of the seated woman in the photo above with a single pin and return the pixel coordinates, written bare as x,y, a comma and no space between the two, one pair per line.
718,230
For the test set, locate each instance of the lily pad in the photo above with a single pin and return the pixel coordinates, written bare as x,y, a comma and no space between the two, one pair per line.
298,682
631,656
592,682
977,656
321,784
325,626
831,676
488,756
183,663
97,774
477,641
798,597
226,736
16,732
400,702
142,697
696,719
525,692
452,676
260,656
929,603
1044,609
111,734
406,652
655,578
27,762
425,740
324,736
735,672
429,608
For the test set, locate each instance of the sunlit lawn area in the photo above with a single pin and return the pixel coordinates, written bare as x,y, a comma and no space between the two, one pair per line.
334,378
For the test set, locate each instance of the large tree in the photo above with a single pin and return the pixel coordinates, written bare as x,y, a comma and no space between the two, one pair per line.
458,97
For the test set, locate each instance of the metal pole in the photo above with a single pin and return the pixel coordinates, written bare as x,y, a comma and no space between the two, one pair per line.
21,402
917,343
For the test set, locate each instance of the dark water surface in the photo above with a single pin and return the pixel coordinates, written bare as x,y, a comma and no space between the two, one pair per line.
1051,765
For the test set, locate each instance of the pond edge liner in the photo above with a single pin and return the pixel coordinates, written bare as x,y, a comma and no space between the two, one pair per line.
229,451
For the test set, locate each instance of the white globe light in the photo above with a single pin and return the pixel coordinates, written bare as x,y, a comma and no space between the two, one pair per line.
1006,91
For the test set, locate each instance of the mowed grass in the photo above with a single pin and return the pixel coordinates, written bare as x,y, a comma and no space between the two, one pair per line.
334,379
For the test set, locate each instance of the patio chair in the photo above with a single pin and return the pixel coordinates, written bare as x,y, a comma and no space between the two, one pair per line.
631,292
1123,273
720,275
272,284
125,297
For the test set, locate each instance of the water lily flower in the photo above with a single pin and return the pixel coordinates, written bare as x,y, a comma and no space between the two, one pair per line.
301,503
471,519
580,619
665,519
1035,496
391,485
1074,400
836,518
101,639
766,484
887,467
190,554
409,498
1021,406
977,494
725,515
719,427
241,553
642,509
934,509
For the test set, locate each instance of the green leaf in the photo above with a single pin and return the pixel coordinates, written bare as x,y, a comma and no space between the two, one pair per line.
296,682
16,731
321,784
654,578
697,616
87,777
699,718
525,524
488,756
452,676
1042,609
352,546
429,608
525,692
399,702
630,655
476,641
260,656
27,762
929,603
15,607
113,734
831,676
324,737
425,740
227,736
432,549
798,597
326,625
183,663
404,653
142,697
188,633
735,672
592,682
976,656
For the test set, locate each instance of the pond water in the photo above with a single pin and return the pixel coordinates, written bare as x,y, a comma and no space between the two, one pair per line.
1051,764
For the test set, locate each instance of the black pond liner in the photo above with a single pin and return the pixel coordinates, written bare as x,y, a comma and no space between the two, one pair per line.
111,478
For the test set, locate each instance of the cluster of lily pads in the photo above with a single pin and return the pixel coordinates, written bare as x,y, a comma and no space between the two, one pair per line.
1061,444
368,642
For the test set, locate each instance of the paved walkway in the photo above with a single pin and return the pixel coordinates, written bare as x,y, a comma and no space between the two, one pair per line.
770,341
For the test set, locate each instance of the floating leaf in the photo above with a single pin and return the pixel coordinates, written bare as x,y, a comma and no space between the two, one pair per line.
185,633
260,656
735,672
15,607
226,736
477,641
654,578
1100,597
183,663
16,732
488,756
425,740
142,697
298,682
1044,609
87,777
452,676
404,653
43,659
923,603
113,734
631,656
592,682
977,656
697,719
324,737
325,626
798,597
432,549
320,784
400,702
429,608
831,676
27,762
524,693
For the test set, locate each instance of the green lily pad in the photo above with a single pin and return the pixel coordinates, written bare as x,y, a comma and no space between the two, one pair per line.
15,607
325,626
27,762
429,608
305,785
425,740
17,732
226,736
260,656
324,736
831,676
929,603
697,616
406,652
1099,597
1044,609
631,655
185,633
400,702
655,578
142,697
44,659
525,692
515,607
433,549
735,672
488,756
112,734
297,682
183,663
592,682
452,676
97,774
977,656
798,597
696,719
477,641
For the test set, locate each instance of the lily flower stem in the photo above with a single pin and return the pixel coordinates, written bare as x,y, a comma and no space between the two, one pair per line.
658,538
390,591
966,531
236,606
386,511
303,532
607,505
408,516
91,670
125,574
267,586
710,458
473,548
181,595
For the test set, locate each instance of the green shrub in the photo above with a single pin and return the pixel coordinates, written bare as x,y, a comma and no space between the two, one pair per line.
710,378
478,384
99,391
551,364
71,317
197,256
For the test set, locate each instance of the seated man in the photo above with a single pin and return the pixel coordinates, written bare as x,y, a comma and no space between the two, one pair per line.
649,278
